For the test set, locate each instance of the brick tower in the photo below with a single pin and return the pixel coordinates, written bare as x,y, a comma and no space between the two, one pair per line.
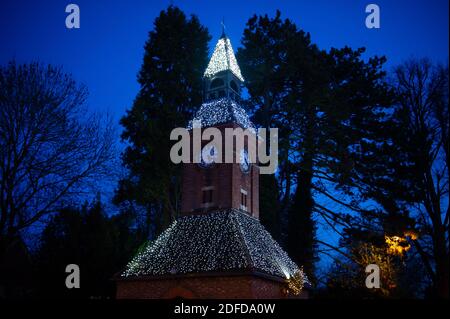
217,248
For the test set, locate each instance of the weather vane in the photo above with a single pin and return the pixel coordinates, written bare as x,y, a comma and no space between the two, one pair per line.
223,27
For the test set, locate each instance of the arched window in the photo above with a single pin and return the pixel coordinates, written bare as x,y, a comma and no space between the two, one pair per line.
216,83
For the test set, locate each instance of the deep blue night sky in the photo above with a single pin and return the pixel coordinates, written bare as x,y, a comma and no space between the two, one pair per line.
106,52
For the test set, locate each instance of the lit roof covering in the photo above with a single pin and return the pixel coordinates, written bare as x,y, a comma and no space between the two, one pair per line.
221,111
223,59
220,241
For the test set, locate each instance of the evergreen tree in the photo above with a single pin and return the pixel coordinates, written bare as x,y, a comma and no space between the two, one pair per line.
277,61
269,205
100,245
322,103
175,58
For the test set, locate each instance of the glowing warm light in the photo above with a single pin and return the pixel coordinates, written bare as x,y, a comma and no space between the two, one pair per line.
396,245
411,234
295,284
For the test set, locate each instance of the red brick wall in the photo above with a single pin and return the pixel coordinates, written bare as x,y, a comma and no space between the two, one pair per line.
226,287
227,180
255,191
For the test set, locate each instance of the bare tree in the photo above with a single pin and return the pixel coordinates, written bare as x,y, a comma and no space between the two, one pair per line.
423,89
49,148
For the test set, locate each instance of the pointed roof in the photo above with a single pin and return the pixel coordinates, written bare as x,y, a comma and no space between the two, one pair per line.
222,111
222,241
223,59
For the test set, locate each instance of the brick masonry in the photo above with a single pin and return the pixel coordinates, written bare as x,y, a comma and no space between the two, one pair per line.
227,180
203,287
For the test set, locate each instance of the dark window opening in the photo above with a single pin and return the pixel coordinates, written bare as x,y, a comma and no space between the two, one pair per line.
207,196
216,83
234,86
243,201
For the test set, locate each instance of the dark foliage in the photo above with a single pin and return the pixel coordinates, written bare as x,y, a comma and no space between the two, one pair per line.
175,58
322,103
100,245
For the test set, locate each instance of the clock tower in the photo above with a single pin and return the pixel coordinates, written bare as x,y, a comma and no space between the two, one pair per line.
211,185
217,248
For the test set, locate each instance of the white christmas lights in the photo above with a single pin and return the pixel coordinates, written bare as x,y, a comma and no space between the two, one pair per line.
221,111
223,59
219,241
223,240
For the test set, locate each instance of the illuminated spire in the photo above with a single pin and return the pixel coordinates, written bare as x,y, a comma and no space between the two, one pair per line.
223,58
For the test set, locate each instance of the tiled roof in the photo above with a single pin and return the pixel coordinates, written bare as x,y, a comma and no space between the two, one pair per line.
220,241
221,111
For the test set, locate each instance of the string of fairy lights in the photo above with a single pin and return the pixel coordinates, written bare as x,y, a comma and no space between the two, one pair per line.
220,111
223,240
223,59
219,241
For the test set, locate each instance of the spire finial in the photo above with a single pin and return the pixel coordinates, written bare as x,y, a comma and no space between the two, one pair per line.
223,28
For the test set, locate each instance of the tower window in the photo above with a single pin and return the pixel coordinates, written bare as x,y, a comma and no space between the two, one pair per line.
234,86
207,196
243,200
216,83
207,193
